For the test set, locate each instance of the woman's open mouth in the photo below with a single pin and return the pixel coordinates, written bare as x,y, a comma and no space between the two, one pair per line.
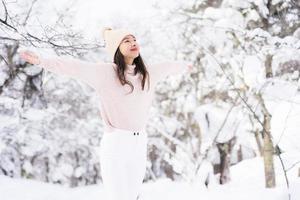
135,49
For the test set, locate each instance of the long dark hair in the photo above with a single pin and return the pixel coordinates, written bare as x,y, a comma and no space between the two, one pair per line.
139,68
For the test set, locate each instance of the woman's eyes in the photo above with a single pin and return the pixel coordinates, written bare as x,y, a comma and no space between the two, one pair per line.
128,40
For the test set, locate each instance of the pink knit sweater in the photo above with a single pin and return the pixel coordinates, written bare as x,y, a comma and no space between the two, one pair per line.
117,108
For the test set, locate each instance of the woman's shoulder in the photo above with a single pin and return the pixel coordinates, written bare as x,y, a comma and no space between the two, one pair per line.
105,65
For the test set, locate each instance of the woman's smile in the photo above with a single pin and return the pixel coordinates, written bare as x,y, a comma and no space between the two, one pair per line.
134,49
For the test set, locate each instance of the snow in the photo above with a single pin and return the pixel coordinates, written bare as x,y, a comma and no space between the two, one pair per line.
211,118
262,6
274,2
33,70
252,15
253,71
258,32
282,56
296,33
285,125
226,17
3,74
278,91
247,183
236,3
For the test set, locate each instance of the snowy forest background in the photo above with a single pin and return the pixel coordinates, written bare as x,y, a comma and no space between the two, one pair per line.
233,121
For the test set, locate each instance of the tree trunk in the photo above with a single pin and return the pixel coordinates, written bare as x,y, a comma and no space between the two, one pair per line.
258,141
240,154
268,149
225,151
268,152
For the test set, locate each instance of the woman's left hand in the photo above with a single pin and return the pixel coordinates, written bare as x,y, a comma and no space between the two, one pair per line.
190,67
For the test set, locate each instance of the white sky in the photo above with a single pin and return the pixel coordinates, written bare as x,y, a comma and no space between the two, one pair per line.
91,15
99,13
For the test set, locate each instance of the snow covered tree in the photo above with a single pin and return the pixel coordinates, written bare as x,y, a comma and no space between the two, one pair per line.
234,44
49,129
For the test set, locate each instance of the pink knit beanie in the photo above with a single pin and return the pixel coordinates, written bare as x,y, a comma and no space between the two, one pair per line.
113,38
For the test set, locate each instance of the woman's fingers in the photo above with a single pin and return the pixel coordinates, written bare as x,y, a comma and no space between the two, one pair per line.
29,57
190,67
25,55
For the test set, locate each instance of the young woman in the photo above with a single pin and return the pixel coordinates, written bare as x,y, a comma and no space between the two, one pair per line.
125,87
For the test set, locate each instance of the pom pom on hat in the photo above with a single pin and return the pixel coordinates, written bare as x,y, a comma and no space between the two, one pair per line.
113,38
104,31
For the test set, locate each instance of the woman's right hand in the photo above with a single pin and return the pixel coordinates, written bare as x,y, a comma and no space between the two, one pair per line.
30,57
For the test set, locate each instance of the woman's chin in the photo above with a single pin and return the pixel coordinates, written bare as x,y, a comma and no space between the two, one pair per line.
134,56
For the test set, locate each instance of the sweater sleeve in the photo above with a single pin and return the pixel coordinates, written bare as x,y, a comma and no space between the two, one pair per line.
84,71
166,68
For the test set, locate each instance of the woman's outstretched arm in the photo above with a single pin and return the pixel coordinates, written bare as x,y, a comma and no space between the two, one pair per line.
163,69
87,72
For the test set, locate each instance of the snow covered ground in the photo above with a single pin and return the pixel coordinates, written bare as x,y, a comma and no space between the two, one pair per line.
247,184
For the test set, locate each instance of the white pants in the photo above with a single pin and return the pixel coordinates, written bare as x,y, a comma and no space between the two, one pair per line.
123,156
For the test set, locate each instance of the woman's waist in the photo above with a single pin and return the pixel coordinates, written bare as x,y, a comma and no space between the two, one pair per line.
122,131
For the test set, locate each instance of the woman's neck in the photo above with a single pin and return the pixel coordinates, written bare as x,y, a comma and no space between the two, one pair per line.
129,61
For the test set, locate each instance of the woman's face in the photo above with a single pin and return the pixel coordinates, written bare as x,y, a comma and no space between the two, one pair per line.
129,47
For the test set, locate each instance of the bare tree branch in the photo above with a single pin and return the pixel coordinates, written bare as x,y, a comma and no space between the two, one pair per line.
29,12
66,43
4,21
293,165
